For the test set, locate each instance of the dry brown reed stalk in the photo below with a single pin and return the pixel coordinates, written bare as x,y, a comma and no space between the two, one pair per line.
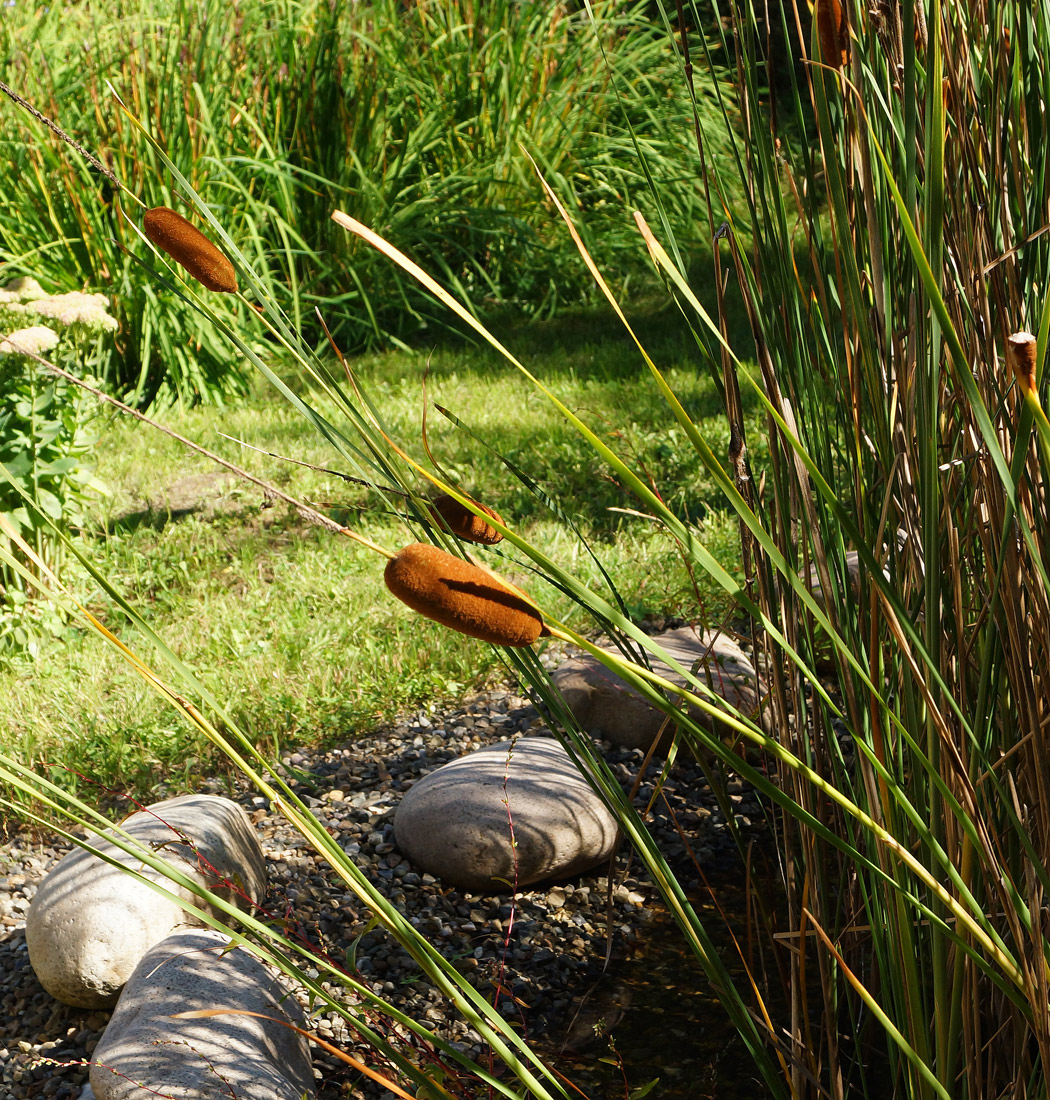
461,521
190,248
461,595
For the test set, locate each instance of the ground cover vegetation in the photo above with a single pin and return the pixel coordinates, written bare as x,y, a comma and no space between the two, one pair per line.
892,262
286,622
46,435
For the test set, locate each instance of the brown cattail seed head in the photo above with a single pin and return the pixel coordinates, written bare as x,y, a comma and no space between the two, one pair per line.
188,246
1021,353
461,595
833,32
464,523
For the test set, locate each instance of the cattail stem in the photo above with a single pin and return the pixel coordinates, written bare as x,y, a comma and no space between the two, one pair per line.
311,515
463,515
320,469
1042,428
72,143
203,1013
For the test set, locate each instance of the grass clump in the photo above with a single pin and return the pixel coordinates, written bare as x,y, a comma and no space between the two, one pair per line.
409,116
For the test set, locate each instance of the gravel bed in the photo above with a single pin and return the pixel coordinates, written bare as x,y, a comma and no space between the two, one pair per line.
545,949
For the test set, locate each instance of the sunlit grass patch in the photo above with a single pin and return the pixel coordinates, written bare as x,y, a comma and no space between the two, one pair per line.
292,625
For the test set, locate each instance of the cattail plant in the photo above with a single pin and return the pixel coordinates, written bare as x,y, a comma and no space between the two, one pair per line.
833,32
190,248
1021,349
461,595
461,521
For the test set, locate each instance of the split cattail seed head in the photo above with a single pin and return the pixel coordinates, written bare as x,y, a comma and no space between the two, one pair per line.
462,595
189,247
1021,353
463,522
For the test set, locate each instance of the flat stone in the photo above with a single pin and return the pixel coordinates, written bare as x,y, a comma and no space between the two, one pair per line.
602,702
211,1058
90,923
454,823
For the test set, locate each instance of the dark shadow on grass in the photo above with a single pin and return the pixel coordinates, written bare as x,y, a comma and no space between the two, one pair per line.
210,495
548,345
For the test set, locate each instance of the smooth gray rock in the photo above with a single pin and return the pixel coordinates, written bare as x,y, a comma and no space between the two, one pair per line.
852,567
454,822
602,702
213,1058
90,923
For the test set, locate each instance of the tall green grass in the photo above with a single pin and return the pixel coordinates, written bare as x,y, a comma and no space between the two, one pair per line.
408,115
890,254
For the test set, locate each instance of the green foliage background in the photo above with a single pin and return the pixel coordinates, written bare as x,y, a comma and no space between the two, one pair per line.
409,116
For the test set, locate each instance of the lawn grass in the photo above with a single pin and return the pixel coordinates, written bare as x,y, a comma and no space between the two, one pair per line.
292,626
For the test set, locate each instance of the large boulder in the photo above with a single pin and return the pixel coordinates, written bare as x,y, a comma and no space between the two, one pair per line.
211,1058
604,703
455,822
90,922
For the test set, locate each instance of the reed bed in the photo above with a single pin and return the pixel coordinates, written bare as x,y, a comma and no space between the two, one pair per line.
409,116
894,242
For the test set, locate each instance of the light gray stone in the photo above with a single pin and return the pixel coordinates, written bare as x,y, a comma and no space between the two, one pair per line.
454,822
602,702
212,1058
852,567
90,923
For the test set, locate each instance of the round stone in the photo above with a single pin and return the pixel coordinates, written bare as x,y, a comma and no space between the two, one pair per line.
604,703
90,922
509,815
148,1048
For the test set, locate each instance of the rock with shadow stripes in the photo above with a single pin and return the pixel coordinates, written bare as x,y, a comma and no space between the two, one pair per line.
90,922
605,704
457,823
148,1047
